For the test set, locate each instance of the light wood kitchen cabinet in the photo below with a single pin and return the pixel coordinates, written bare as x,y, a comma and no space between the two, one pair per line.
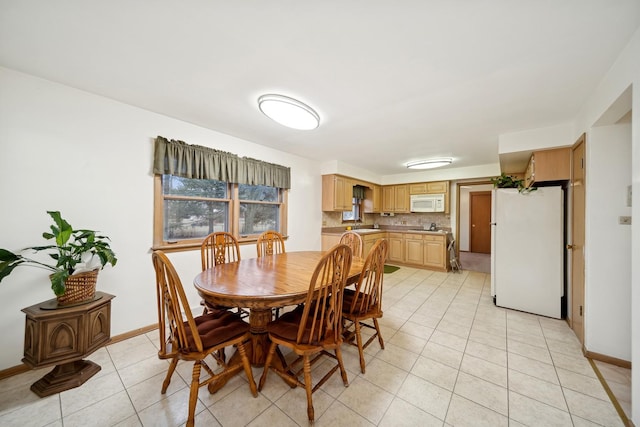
369,239
435,187
395,198
373,199
329,241
426,251
435,252
396,247
548,165
337,193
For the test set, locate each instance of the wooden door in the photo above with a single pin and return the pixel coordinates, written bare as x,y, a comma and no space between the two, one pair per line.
578,164
480,221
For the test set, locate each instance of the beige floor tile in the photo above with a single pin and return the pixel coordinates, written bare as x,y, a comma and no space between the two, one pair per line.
401,413
239,407
172,411
408,342
449,340
532,367
582,384
397,356
443,354
531,412
148,392
487,352
465,413
484,369
47,410
592,409
530,351
385,375
366,399
273,416
426,396
537,389
109,411
94,390
442,332
482,392
435,372
579,365
294,404
488,339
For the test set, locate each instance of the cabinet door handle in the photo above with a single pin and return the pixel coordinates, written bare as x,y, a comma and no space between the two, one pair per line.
570,247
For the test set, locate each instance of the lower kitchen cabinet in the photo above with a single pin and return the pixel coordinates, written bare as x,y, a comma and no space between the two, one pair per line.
396,247
426,251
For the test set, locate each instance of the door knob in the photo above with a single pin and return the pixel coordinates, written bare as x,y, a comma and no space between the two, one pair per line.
473,225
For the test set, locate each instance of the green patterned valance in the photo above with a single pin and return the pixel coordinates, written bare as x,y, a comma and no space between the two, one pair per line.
178,158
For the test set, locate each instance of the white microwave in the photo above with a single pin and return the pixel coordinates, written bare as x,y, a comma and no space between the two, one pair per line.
427,203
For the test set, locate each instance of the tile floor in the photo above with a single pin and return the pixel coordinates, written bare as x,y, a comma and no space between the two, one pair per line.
451,359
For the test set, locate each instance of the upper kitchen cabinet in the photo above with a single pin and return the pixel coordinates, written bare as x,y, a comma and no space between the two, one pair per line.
548,165
373,199
395,198
435,187
337,193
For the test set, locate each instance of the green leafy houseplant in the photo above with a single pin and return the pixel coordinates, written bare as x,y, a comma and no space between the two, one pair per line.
509,181
73,251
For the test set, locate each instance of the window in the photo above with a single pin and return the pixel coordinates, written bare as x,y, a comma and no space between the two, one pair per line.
355,213
199,190
259,209
186,210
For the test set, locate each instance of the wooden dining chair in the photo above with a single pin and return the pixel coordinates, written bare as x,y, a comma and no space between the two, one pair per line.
218,248
313,329
354,241
184,337
270,242
365,302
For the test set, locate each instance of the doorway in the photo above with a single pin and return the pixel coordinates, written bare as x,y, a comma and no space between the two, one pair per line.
480,222
474,243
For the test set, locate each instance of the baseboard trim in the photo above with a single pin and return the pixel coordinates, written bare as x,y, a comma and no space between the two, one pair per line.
607,359
22,368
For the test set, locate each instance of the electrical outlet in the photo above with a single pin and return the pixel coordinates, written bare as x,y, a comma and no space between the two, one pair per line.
624,220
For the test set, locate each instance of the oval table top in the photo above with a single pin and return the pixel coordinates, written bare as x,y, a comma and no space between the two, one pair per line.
265,282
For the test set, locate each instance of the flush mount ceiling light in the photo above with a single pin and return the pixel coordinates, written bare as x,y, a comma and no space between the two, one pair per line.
288,112
429,164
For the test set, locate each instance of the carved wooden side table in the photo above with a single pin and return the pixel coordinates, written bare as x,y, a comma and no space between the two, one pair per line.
64,336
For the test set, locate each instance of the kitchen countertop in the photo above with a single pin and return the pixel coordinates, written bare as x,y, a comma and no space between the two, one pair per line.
340,230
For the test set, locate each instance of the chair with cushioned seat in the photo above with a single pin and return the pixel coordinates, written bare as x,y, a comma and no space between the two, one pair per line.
365,302
183,337
218,248
313,329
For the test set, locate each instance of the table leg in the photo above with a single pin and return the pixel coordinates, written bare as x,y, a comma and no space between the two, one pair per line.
65,376
258,321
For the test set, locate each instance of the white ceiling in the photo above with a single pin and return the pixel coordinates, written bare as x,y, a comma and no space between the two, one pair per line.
392,81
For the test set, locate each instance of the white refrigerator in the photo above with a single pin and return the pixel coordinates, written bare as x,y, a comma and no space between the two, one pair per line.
527,256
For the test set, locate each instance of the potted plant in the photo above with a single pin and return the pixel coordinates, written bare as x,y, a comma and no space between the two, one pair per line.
509,181
77,257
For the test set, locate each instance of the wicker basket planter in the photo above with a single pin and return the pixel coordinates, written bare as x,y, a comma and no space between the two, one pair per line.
80,287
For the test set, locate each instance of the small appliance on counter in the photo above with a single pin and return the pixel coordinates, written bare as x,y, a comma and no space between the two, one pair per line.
433,227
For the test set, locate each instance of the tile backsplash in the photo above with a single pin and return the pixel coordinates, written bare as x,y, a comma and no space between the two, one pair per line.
418,220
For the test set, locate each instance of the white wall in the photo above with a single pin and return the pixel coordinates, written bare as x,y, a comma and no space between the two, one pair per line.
623,73
90,157
608,245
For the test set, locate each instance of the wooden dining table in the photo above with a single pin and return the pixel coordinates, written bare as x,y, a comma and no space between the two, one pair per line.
262,284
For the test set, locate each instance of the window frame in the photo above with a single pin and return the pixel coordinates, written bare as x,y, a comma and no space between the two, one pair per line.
233,218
